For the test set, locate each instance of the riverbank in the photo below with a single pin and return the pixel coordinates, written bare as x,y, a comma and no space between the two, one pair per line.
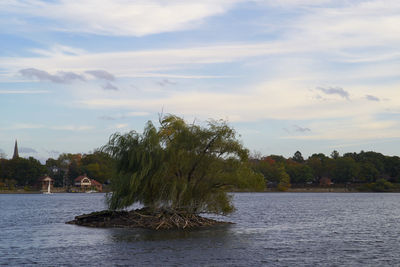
316,190
54,190
336,188
19,191
356,188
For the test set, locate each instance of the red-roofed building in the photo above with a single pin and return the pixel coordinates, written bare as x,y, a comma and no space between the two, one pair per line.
325,181
85,183
97,185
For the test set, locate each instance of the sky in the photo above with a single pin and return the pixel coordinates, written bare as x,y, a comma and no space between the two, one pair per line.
289,75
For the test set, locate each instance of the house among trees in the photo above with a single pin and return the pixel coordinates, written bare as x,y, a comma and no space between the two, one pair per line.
325,181
85,184
45,181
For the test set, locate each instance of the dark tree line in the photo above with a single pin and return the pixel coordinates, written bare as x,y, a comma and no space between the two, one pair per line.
351,168
64,169
359,168
20,171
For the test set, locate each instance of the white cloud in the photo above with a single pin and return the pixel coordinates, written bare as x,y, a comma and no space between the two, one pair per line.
176,76
137,114
23,126
353,128
27,150
290,99
295,3
23,92
131,62
122,126
58,49
351,45
118,17
72,127
20,126
341,32
359,24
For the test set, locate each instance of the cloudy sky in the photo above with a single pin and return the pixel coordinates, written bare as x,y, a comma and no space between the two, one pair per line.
288,75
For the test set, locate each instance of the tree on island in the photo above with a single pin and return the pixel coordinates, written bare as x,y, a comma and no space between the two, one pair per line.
180,167
176,171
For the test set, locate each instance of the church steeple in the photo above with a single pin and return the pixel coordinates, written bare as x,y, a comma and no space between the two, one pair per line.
15,156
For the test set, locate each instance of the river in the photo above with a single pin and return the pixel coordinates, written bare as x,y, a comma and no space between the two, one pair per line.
271,229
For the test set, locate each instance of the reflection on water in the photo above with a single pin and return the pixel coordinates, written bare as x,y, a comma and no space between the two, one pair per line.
270,229
220,232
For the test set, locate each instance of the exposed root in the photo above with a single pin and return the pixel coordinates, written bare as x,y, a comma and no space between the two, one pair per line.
144,218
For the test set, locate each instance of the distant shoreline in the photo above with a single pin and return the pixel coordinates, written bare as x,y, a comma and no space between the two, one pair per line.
22,191
303,190
316,190
267,190
19,192
356,188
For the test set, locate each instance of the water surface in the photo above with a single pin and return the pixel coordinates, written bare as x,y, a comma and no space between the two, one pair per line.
274,229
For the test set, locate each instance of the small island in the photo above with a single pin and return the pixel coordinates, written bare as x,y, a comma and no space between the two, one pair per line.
177,172
144,218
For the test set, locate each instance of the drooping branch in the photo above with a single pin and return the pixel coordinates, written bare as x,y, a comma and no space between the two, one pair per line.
201,157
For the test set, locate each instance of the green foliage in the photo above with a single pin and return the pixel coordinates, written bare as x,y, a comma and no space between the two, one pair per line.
98,166
22,171
10,184
368,172
66,168
363,167
55,171
335,154
297,157
273,172
346,170
246,179
381,185
179,166
267,167
392,167
321,165
299,173
283,177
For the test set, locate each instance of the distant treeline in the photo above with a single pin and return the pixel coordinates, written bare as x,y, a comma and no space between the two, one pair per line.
64,169
373,170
